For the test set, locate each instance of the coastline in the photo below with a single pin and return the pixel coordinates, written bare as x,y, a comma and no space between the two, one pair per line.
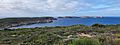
7,23
23,21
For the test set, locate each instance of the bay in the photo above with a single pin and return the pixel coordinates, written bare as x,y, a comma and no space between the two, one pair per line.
75,21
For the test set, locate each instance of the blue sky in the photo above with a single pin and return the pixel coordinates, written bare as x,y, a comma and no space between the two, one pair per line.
25,8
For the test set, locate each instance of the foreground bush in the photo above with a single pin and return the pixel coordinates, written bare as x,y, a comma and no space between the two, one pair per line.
85,42
98,25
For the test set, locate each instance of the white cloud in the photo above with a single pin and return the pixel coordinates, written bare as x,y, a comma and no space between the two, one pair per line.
71,5
40,5
7,5
46,7
27,7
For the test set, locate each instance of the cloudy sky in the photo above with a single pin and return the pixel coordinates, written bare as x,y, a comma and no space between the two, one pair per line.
21,8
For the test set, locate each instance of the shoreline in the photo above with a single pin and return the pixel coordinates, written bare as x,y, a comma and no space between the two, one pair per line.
7,23
98,25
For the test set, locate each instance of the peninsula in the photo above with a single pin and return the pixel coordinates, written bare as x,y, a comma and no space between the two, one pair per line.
19,21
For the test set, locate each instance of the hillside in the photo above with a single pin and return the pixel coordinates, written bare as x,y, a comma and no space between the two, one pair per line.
96,34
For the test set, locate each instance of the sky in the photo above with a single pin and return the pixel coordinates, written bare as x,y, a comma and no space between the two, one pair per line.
38,8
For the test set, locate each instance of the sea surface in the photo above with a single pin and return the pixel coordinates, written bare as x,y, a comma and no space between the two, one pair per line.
75,21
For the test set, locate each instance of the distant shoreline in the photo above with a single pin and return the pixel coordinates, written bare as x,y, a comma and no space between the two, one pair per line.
82,17
60,16
6,23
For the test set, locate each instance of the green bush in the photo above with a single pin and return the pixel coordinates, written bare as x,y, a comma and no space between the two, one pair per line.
98,25
85,42
117,41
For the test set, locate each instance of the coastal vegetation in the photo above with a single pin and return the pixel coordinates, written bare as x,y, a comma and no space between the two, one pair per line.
96,34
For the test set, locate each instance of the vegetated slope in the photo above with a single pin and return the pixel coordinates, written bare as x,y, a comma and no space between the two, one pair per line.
13,22
70,35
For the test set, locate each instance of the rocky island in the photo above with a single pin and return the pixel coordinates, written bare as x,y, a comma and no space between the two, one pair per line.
69,17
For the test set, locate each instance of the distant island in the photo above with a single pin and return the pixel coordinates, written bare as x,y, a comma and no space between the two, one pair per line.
81,17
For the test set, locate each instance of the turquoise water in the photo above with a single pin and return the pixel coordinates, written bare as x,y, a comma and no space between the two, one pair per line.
75,21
